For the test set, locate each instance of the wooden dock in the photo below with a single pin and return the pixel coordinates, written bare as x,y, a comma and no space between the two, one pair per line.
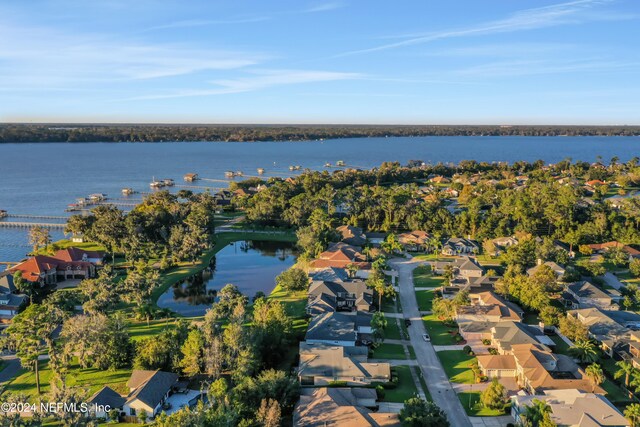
19,224
36,216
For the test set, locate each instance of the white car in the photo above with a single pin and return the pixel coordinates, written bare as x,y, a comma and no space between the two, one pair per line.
426,337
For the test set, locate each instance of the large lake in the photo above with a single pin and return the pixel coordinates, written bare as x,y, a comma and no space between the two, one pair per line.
250,265
43,178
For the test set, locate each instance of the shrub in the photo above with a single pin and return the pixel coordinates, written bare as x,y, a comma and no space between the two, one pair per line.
380,392
337,384
466,349
493,350
486,341
293,279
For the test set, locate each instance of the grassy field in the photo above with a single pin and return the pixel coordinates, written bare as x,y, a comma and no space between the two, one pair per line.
91,380
424,278
425,299
456,365
295,302
471,403
439,332
405,389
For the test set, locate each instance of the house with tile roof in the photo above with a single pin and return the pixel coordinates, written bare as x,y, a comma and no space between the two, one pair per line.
415,241
344,407
536,369
70,263
341,255
573,408
148,390
321,364
459,246
352,235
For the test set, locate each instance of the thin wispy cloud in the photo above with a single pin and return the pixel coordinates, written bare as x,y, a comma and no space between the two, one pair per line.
528,19
190,23
325,7
537,67
257,80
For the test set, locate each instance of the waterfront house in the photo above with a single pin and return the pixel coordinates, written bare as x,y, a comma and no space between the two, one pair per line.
351,235
572,407
11,301
190,177
148,390
322,364
341,255
458,246
73,254
348,407
584,294
48,270
332,328
339,296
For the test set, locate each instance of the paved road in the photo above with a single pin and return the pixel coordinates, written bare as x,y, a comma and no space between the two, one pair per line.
439,386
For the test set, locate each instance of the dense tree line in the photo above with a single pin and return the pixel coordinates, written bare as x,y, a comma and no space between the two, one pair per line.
159,133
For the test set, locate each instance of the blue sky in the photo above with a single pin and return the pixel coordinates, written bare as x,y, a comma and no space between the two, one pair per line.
343,61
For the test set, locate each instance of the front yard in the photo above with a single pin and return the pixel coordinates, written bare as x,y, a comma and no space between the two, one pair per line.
456,364
440,333
473,407
424,278
392,351
405,389
425,299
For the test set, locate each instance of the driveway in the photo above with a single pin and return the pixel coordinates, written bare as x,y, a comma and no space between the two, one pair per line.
11,368
439,386
613,281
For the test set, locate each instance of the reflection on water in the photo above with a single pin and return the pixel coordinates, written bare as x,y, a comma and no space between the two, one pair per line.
250,265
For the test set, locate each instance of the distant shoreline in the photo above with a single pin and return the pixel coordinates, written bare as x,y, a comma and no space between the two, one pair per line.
28,133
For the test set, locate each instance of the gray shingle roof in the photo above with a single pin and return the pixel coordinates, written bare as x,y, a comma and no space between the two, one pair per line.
150,386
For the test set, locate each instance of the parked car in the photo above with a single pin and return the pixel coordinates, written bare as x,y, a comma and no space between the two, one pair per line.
426,337
407,322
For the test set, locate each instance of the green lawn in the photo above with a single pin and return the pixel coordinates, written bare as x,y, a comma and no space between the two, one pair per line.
425,299
405,389
66,243
561,346
392,331
471,403
295,302
389,305
456,365
439,332
389,351
91,380
423,277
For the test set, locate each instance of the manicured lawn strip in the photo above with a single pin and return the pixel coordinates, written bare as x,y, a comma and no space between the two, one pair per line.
392,332
388,305
66,243
425,299
405,389
389,351
91,379
412,353
456,365
439,333
184,270
422,276
615,392
471,403
561,346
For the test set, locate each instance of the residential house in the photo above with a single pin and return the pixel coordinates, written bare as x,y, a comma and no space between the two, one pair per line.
415,241
73,254
148,390
440,180
105,398
11,300
486,310
332,328
342,296
330,274
322,364
558,269
458,246
375,239
584,294
465,270
503,243
602,248
341,255
537,369
572,408
70,263
612,329
352,235
344,407
508,333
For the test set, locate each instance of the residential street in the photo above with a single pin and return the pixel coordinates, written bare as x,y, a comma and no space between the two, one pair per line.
437,381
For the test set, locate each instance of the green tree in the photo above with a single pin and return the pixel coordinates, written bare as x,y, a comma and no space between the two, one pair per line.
39,236
420,413
24,286
634,267
595,374
537,414
293,279
494,396
378,326
192,351
585,351
632,412
626,370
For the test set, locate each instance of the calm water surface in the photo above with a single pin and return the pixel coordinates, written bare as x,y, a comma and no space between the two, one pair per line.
42,179
250,265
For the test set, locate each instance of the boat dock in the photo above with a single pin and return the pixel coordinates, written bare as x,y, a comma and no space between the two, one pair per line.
36,216
18,224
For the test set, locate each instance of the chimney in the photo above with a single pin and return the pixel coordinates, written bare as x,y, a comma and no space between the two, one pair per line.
539,261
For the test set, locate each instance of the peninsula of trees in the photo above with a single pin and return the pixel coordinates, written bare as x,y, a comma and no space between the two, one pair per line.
182,132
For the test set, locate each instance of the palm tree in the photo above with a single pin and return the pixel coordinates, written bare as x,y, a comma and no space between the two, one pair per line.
595,374
585,351
352,270
633,414
534,414
626,369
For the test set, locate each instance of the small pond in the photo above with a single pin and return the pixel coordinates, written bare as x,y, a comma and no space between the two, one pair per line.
250,265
